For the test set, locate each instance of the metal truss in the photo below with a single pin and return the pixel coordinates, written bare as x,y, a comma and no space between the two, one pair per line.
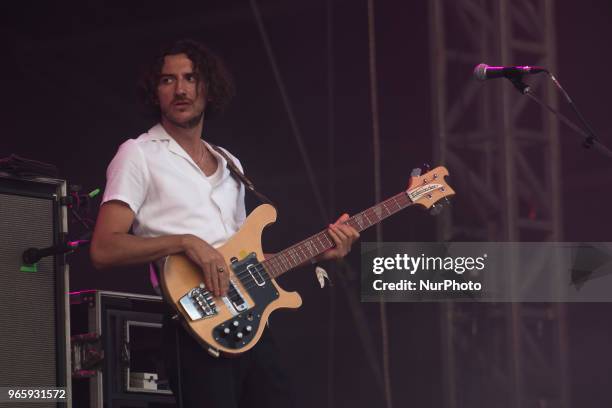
503,155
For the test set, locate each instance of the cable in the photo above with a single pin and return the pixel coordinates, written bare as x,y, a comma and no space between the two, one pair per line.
377,189
364,334
331,138
287,103
178,363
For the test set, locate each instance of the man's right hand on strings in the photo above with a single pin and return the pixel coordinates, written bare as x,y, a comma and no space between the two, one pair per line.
212,263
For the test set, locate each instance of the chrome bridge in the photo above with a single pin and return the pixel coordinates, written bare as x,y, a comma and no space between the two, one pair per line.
198,303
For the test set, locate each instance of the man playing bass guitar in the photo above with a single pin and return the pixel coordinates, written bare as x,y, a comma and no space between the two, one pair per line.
176,194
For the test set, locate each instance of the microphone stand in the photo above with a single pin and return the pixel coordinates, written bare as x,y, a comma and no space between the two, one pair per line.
32,255
590,140
73,201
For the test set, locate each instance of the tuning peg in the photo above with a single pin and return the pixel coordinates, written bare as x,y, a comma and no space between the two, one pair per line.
426,167
415,172
435,209
439,206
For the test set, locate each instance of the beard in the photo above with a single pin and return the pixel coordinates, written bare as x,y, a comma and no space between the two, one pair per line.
188,124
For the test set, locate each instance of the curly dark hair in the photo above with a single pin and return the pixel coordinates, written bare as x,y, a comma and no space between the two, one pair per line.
217,80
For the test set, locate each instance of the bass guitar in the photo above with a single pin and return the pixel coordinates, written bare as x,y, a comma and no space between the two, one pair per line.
232,324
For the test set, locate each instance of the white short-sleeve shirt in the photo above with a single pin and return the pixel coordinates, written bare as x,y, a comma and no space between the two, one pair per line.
170,194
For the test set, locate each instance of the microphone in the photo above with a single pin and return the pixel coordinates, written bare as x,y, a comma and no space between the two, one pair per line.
32,255
483,72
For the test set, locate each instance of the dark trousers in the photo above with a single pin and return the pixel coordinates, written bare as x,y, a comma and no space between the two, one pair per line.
253,379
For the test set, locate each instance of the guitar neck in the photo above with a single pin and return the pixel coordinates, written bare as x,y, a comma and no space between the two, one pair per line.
315,245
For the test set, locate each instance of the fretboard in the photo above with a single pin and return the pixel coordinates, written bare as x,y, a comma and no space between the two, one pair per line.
315,245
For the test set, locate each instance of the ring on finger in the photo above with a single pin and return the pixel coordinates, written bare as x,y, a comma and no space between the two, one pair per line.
220,269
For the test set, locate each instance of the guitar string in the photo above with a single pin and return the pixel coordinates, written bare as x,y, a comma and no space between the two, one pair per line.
297,247
260,267
376,212
261,270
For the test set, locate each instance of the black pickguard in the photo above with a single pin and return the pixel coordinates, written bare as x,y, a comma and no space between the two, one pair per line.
261,295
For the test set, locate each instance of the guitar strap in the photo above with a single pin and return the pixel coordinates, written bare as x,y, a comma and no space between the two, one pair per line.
240,177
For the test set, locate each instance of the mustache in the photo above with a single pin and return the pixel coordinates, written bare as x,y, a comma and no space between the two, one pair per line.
176,100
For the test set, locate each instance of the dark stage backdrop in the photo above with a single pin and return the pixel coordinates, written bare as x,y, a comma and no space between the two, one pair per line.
68,82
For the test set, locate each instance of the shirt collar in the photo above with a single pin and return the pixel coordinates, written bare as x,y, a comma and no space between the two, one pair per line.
158,132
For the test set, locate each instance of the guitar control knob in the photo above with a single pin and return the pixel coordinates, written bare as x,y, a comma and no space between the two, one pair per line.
233,259
226,330
235,323
239,335
249,329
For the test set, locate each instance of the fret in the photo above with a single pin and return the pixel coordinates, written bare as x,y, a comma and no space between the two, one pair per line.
268,267
321,242
404,199
296,250
358,226
271,267
396,203
324,243
284,261
280,260
291,251
385,207
378,213
358,219
351,222
284,258
301,247
314,242
278,265
291,260
367,218
295,255
309,246
330,243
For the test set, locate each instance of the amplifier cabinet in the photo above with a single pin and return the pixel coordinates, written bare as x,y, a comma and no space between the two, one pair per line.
34,318
116,349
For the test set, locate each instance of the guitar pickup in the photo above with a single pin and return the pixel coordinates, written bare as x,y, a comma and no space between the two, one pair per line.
235,300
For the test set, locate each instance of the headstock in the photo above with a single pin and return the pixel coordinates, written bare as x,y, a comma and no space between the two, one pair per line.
429,188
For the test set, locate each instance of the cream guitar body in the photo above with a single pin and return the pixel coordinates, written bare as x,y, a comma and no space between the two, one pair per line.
232,324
